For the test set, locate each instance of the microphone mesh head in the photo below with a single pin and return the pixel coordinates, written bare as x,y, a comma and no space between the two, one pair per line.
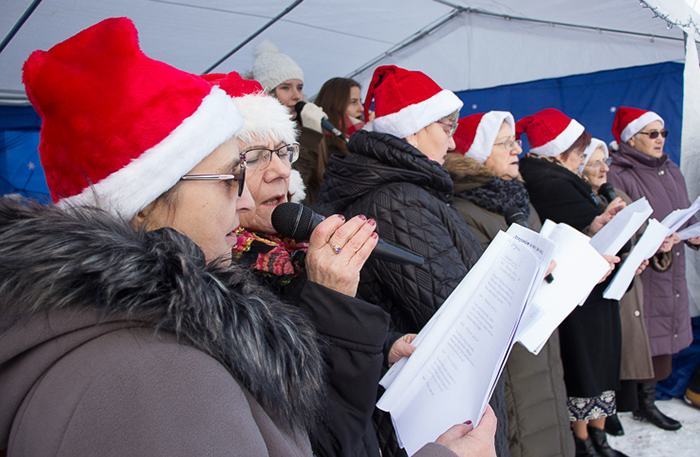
292,220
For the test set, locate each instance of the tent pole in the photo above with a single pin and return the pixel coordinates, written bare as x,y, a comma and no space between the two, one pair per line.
553,23
258,32
11,34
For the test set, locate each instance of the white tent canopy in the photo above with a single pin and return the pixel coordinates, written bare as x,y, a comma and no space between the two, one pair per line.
461,44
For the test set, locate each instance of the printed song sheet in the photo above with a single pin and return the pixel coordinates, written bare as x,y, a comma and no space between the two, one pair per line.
647,245
677,218
610,239
689,232
579,267
462,350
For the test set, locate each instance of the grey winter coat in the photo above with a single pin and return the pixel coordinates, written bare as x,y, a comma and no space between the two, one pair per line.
666,311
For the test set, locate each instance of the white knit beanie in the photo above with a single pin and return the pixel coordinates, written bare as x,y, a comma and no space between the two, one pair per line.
271,68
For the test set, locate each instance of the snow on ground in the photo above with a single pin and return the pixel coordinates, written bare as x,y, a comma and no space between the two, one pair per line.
642,439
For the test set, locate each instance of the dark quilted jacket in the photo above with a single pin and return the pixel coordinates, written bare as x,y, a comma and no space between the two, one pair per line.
410,197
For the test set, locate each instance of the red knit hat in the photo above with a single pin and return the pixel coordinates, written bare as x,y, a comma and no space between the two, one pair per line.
119,128
406,101
476,133
629,121
549,132
265,118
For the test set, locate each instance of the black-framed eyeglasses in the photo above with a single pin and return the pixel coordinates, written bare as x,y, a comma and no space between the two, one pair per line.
510,144
259,158
654,134
236,177
452,125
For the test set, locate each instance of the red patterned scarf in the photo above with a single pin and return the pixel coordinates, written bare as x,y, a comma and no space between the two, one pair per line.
270,255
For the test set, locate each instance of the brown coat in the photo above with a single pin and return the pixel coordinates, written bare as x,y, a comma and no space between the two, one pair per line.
127,390
636,354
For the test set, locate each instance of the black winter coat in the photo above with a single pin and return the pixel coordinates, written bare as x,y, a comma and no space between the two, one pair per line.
410,197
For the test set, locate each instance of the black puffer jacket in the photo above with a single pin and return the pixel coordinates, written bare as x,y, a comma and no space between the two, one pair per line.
410,197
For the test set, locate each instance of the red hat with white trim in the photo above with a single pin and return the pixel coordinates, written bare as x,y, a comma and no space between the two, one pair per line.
119,128
549,132
629,121
406,101
477,133
264,117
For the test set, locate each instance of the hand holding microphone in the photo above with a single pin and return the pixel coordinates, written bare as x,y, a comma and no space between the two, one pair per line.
313,117
299,222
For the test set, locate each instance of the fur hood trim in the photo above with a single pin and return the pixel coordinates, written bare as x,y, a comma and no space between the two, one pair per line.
86,259
461,166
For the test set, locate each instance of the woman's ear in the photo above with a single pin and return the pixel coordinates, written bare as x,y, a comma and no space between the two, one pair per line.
412,139
631,141
141,219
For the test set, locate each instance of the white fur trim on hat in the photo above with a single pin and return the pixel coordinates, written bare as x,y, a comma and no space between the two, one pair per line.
487,132
595,144
271,68
297,189
562,142
413,118
265,119
638,124
132,188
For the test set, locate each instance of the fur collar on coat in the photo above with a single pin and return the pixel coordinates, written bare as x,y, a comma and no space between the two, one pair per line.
88,260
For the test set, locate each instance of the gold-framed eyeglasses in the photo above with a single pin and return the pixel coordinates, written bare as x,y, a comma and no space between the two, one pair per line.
451,125
510,144
259,158
229,179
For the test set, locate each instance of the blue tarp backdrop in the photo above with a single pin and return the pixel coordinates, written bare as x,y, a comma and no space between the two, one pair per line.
591,99
20,168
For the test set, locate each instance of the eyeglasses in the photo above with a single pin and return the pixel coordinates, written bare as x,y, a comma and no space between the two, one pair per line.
236,177
599,163
259,158
510,144
452,125
655,134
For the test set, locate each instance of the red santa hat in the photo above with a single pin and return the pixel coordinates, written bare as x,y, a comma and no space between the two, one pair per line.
590,149
477,133
119,128
629,121
406,101
264,117
549,132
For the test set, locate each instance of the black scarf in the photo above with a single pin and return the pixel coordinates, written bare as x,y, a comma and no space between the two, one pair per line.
497,194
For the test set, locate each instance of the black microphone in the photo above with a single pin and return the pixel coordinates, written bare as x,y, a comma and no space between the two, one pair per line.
515,216
297,222
607,191
324,122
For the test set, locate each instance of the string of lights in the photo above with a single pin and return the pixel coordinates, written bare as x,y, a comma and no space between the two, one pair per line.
689,25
